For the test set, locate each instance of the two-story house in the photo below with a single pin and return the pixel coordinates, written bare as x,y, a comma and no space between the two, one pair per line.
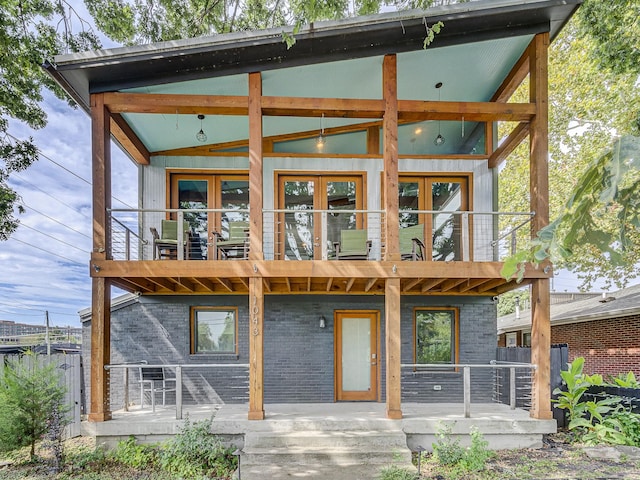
325,213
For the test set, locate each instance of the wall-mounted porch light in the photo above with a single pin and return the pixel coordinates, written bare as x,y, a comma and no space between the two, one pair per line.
323,322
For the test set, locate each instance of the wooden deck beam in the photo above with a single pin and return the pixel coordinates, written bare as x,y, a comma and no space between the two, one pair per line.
256,350
515,138
392,346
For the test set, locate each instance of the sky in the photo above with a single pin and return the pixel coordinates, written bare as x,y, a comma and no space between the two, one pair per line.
45,264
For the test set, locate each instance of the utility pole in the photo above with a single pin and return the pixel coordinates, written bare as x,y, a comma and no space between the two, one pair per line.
46,335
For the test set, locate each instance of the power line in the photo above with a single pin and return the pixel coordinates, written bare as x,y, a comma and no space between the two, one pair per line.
54,220
47,251
40,153
54,238
49,195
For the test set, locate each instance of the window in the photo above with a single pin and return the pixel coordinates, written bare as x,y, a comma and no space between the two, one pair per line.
436,335
214,330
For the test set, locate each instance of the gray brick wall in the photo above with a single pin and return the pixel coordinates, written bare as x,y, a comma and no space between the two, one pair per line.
298,353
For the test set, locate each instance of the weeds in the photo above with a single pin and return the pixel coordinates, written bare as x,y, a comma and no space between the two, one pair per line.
397,473
449,453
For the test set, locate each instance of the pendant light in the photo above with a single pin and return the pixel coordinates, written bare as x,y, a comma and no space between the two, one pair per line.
320,141
201,136
439,140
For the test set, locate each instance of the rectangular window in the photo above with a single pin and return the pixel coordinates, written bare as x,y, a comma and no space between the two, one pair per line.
436,335
214,330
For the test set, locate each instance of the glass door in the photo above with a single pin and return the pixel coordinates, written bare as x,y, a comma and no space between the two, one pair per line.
446,194
209,191
356,356
304,229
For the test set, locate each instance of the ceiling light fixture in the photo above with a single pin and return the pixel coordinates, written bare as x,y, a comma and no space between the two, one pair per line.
439,140
320,141
201,136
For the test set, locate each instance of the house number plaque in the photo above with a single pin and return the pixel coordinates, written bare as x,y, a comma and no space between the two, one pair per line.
254,316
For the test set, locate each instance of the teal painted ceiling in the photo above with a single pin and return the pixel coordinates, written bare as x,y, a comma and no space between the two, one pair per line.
470,72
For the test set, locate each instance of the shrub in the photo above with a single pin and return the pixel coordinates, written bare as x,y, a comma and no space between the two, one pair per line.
135,455
196,453
449,452
29,393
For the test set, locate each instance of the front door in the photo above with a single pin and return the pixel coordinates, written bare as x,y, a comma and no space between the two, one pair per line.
356,355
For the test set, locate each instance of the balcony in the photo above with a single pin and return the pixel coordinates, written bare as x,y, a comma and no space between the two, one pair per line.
302,252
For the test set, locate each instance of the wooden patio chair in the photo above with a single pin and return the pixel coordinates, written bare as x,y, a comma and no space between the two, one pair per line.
236,246
353,245
155,380
412,243
166,245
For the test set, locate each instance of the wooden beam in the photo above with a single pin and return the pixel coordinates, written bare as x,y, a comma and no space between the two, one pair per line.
256,349
141,285
244,282
370,284
186,283
350,283
485,287
288,282
451,284
373,140
255,167
514,139
127,138
267,284
428,285
226,283
208,284
412,283
513,80
329,284
101,175
309,284
392,347
344,269
390,156
100,349
539,194
416,110
472,283
173,104
164,283
316,107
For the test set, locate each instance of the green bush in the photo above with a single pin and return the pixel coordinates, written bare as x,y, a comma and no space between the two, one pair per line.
196,453
131,453
448,452
29,394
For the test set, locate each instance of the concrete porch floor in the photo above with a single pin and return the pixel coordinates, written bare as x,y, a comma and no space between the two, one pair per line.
501,427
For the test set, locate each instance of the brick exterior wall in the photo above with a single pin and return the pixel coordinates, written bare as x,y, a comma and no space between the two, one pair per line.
609,346
298,354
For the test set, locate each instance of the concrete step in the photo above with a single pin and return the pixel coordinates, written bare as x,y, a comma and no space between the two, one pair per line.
317,471
389,440
302,455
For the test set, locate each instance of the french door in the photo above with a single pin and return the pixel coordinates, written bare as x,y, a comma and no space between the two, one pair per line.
356,355
443,231
202,191
307,234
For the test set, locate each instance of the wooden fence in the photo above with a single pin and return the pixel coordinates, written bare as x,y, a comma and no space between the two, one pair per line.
70,370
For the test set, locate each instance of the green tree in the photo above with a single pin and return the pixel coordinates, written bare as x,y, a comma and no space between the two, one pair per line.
588,106
30,393
28,36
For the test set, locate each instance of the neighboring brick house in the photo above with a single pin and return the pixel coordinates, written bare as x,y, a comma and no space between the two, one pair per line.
604,329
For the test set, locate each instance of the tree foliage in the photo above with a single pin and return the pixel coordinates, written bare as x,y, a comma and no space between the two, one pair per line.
588,107
30,393
28,36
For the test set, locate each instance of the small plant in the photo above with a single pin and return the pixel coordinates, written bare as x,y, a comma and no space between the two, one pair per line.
449,452
53,437
625,380
196,453
394,472
135,455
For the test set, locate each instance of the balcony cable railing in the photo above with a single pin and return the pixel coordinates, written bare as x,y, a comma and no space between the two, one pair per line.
431,368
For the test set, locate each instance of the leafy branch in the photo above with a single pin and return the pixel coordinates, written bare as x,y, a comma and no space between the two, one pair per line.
608,191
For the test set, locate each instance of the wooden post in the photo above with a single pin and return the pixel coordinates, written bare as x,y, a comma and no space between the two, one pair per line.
255,167
539,191
390,134
101,287
392,347
256,349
